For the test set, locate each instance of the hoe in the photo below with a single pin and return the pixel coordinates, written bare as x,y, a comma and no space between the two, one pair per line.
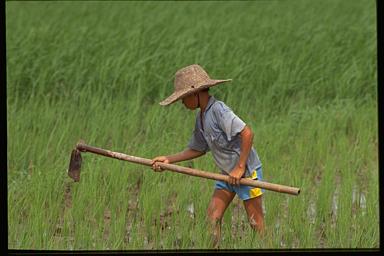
75,167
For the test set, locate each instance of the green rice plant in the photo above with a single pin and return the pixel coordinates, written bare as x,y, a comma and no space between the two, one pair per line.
304,79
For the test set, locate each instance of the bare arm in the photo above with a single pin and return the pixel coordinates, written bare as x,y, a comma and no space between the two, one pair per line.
246,145
186,154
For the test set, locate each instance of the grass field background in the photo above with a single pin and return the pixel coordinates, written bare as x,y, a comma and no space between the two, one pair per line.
304,78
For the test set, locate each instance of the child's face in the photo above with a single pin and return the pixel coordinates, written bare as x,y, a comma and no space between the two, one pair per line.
190,102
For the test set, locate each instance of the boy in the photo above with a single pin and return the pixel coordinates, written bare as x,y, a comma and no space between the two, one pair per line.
219,130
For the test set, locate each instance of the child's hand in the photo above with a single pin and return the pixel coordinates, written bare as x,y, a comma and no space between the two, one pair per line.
162,159
235,175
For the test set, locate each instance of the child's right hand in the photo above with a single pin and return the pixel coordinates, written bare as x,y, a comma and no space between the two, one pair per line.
157,159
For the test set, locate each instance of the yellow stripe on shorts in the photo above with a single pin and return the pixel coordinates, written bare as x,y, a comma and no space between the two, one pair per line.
255,192
254,175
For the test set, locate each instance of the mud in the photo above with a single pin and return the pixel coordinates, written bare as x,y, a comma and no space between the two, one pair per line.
66,205
361,191
321,234
311,211
107,223
67,196
166,215
238,219
191,211
284,219
131,212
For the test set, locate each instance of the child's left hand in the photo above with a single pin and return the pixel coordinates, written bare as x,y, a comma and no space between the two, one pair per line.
235,175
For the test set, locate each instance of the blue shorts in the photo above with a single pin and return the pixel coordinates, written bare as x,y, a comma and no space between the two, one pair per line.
244,192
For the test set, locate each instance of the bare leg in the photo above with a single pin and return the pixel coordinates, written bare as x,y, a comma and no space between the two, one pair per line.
220,200
255,214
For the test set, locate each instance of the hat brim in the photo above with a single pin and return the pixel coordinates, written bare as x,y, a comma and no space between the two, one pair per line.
181,94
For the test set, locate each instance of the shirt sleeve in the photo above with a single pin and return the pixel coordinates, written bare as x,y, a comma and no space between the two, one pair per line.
197,141
228,121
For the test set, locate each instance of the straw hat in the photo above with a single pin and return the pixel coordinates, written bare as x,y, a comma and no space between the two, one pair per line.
188,80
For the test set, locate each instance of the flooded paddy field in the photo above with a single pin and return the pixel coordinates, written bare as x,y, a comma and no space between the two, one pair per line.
304,79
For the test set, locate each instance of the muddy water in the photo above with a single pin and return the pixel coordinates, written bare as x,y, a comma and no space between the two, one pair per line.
238,222
363,204
358,199
191,210
335,198
311,211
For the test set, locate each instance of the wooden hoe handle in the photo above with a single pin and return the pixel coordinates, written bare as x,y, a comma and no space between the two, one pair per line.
189,171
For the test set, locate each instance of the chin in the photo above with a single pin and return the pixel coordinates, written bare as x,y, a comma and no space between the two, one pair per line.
189,107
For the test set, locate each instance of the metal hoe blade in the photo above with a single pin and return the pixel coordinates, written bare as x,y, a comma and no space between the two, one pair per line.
75,165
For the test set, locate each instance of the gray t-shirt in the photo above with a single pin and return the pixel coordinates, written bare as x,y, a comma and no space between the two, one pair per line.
221,136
